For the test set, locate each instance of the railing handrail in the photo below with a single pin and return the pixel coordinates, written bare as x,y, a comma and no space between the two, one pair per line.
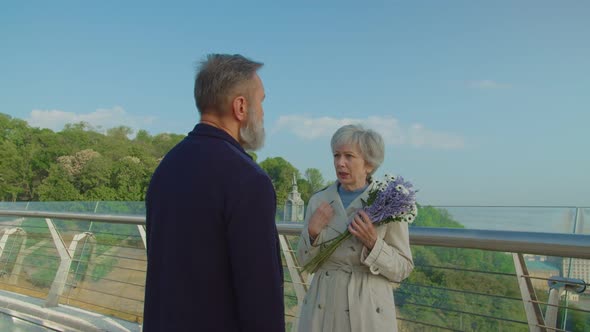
511,206
111,218
549,244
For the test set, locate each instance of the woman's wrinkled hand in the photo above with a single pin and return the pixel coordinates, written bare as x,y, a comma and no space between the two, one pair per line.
363,229
320,218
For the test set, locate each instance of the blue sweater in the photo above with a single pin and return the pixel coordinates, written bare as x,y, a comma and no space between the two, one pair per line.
348,196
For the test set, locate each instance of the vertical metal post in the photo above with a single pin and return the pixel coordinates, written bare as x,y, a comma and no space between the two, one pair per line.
18,263
298,285
141,229
532,310
59,282
569,275
82,254
551,312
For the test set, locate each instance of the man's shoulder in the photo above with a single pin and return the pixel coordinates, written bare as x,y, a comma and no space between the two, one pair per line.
245,169
256,175
224,156
219,151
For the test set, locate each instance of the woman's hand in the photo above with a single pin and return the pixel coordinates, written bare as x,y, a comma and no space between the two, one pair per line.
363,229
320,218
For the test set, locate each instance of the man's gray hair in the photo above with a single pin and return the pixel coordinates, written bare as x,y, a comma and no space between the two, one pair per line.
369,142
220,77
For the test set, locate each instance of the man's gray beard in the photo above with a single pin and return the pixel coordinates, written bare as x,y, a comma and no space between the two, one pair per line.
252,135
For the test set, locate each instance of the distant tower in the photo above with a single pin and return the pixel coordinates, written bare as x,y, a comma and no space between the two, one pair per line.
294,206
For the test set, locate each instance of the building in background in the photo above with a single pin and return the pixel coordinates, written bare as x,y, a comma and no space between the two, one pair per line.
294,205
577,268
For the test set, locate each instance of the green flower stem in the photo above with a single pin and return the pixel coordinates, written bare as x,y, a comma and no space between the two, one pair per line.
328,249
325,253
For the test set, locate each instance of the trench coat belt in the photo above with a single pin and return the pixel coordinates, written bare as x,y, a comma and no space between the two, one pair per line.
343,267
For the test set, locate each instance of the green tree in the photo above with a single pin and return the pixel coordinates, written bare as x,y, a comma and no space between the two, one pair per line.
143,137
48,146
10,161
315,179
253,155
130,179
162,143
576,320
304,189
121,133
281,173
16,136
13,130
58,186
94,177
427,295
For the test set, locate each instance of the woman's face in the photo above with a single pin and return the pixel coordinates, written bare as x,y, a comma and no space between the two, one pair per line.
351,168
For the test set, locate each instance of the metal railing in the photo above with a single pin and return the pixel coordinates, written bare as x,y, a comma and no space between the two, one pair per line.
549,244
123,251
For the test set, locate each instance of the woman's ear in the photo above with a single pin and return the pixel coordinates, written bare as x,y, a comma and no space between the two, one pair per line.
368,168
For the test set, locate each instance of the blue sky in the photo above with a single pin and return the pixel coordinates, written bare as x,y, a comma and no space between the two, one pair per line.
480,103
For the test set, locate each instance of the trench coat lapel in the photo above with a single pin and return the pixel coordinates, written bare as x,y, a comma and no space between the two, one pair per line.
342,216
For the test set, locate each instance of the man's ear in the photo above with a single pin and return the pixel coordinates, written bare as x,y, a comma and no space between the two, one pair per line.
240,108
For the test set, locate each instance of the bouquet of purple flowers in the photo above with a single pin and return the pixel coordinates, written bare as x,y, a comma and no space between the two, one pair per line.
392,199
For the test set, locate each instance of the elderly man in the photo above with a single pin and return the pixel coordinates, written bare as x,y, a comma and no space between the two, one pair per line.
213,252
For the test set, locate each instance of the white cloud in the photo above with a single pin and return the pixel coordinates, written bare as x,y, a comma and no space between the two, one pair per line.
487,84
420,136
416,135
103,118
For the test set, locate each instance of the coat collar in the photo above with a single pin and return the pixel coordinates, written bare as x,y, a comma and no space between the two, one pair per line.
203,129
342,216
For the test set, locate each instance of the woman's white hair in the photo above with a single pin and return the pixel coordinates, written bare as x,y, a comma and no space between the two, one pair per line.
369,142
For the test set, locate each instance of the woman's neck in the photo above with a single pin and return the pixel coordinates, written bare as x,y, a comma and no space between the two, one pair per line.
355,187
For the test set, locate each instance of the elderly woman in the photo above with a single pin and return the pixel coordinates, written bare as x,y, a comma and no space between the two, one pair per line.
351,291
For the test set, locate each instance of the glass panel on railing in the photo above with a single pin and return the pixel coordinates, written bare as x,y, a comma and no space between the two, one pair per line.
85,207
14,205
583,221
28,260
525,219
107,273
128,208
461,289
11,323
106,268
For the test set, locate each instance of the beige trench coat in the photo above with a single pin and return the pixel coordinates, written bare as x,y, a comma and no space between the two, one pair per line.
351,291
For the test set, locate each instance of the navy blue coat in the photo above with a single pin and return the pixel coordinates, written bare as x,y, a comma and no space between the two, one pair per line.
213,252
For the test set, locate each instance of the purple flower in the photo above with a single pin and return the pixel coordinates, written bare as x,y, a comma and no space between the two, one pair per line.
391,200
398,199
